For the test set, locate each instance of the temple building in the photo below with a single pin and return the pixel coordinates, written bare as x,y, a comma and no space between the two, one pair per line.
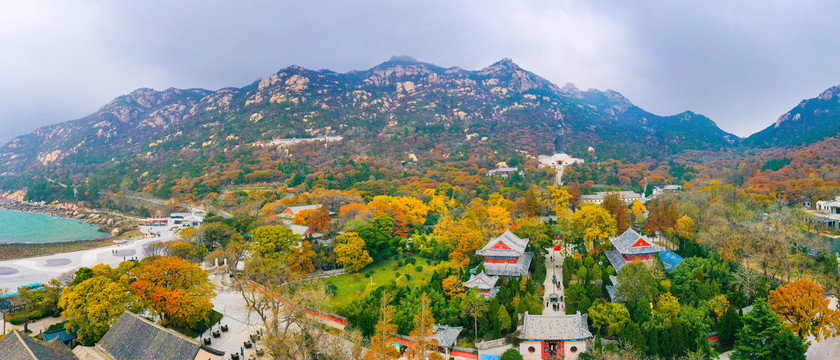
629,247
505,256
553,336
486,284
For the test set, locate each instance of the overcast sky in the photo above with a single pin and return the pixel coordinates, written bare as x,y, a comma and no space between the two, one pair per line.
741,63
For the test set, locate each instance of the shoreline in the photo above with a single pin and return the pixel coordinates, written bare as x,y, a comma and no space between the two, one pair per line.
18,251
108,221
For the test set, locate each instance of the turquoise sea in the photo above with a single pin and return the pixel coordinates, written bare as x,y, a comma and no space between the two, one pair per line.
24,227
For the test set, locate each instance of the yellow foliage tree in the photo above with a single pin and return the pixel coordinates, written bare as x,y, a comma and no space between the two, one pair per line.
350,252
380,343
425,342
594,224
452,286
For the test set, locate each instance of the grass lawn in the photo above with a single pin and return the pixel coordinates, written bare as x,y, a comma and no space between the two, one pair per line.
351,286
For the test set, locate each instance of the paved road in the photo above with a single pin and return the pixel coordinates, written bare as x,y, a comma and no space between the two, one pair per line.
554,269
15,273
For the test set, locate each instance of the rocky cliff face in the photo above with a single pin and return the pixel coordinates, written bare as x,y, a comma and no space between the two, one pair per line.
503,104
811,121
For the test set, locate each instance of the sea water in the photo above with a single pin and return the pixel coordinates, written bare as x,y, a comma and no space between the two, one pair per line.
25,227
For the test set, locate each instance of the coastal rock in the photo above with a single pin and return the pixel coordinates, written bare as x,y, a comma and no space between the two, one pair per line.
115,232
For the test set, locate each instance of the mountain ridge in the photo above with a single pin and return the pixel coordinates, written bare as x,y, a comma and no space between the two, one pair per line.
399,97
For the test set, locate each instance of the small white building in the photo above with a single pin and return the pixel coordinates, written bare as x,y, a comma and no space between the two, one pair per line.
486,284
550,336
504,172
179,220
598,198
558,160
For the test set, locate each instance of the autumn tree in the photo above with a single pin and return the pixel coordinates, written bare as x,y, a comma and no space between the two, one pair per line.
213,235
320,221
615,205
593,224
303,258
662,216
423,335
805,310
380,343
177,292
350,252
638,209
282,301
93,305
452,286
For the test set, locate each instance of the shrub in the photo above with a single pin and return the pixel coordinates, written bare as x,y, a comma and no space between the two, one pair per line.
419,268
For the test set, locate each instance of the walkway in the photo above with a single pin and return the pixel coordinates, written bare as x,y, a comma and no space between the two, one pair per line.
15,273
554,270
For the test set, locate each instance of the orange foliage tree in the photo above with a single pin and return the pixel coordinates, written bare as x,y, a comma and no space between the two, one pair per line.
804,309
177,291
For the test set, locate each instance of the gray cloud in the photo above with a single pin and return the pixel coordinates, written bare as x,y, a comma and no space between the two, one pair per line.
741,64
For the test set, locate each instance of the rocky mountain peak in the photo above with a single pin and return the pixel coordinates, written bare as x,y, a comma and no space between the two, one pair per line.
830,93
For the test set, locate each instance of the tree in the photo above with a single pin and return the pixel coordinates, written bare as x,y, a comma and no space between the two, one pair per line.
593,224
637,283
728,326
611,316
804,309
638,209
282,301
760,326
631,335
788,346
452,286
511,354
319,221
303,258
213,235
380,343
504,318
474,305
273,241
176,291
618,209
350,252
93,305
423,335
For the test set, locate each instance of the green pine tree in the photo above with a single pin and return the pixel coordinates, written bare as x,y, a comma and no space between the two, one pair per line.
730,324
787,346
761,325
653,342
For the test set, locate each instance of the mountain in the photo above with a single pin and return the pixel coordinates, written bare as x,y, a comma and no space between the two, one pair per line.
811,121
398,107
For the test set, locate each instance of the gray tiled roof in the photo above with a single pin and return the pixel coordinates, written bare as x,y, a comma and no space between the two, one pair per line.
482,281
555,327
299,208
447,336
520,268
133,338
615,259
612,290
19,346
624,242
509,239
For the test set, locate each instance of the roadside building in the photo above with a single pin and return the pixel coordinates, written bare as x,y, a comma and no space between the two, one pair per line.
505,256
553,336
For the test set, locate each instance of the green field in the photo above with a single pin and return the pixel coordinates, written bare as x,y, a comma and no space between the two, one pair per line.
351,286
